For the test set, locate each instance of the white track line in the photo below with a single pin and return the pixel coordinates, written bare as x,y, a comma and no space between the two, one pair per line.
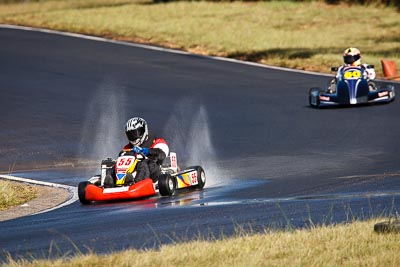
168,50
71,189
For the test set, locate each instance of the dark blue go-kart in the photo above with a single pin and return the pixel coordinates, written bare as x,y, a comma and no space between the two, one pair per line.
351,88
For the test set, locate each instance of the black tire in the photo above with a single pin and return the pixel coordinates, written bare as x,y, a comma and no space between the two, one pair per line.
392,91
201,177
166,185
82,192
388,227
313,91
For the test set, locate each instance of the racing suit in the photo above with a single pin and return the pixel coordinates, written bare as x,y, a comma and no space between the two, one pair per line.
149,167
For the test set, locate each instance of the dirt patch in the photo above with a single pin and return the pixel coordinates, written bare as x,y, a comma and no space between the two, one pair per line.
48,197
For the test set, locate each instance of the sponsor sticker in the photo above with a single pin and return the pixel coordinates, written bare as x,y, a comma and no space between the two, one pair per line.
324,98
382,93
116,189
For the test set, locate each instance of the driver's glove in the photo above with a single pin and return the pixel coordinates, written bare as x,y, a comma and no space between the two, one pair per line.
144,150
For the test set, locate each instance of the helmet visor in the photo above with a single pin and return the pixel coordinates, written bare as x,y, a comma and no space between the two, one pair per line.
349,59
135,135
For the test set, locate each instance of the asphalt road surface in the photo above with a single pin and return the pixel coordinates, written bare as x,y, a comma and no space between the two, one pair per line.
271,161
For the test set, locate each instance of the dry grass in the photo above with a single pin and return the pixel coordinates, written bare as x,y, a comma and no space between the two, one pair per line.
14,194
308,36
354,244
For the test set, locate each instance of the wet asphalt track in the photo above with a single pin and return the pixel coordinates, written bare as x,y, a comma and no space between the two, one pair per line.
271,161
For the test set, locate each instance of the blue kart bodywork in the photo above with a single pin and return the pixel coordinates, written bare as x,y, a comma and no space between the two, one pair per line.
351,88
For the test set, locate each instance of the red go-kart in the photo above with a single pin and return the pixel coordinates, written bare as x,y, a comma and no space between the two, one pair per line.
169,181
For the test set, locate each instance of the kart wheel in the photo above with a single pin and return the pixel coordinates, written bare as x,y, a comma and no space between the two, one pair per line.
201,177
166,185
313,97
387,227
392,93
82,192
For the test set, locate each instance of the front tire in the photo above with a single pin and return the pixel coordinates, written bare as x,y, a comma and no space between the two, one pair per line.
166,185
313,97
82,192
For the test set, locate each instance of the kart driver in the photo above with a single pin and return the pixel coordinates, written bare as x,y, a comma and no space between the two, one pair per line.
141,141
352,58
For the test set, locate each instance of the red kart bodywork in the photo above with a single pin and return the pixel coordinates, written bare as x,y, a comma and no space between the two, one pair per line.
144,188
170,180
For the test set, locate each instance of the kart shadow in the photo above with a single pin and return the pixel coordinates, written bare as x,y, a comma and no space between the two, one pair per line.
335,107
182,197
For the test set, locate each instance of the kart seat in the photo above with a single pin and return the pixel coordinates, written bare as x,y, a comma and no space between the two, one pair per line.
390,70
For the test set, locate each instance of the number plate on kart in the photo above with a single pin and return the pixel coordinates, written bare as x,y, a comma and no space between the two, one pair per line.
174,163
352,74
124,164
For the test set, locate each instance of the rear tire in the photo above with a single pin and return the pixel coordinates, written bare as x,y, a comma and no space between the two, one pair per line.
82,192
166,185
201,177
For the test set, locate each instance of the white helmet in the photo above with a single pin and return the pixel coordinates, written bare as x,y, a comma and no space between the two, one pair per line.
352,56
136,131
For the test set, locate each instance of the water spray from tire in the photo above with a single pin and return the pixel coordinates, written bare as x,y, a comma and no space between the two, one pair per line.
187,132
102,132
189,135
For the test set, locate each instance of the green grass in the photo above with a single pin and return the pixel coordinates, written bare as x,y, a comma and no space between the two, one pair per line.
354,244
13,194
308,36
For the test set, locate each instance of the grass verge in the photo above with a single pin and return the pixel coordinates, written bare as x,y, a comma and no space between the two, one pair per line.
354,244
13,194
309,36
